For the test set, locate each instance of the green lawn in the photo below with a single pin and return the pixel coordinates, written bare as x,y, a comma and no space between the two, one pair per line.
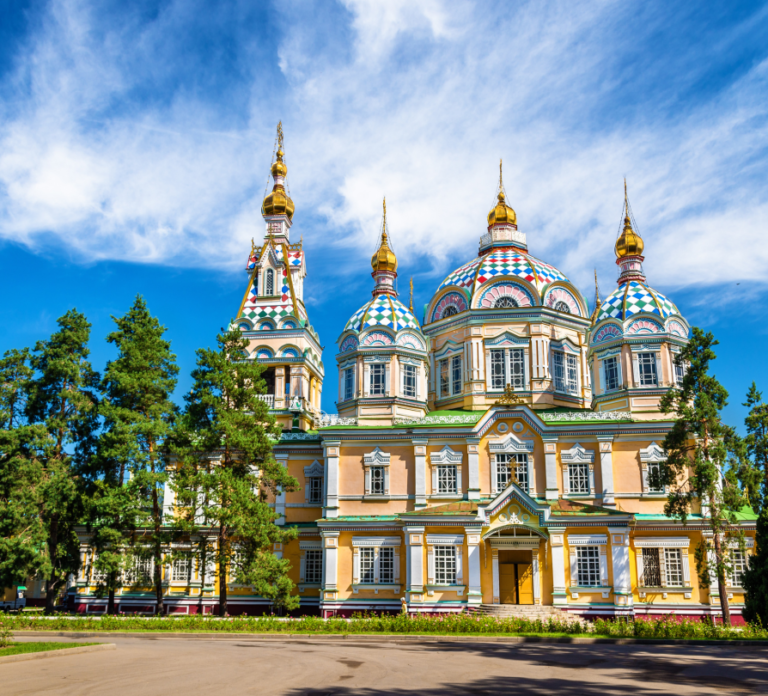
20,648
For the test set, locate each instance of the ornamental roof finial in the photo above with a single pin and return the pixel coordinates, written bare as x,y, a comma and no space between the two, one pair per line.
410,306
384,258
629,243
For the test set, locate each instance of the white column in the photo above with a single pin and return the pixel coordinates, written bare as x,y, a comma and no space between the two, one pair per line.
281,459
473,462
495,570
331,508
475,592
414,543
550,462
536,576
606,470
330,566
420,463
557,543
622,581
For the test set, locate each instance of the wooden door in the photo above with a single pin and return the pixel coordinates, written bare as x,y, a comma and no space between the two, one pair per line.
525,583
507,583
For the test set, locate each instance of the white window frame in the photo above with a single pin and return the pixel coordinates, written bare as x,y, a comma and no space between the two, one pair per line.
313,473
315,548
646,350
511,355
565,371
181,570
377,551
677,377
739,566
445,541
348,383
376,460
578,456
505,462
377,368
446,457
453,366
653,455
598,542
663,544
615,360
269,279
511,444
406,367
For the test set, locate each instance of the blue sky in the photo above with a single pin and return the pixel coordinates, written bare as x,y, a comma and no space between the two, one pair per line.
135,143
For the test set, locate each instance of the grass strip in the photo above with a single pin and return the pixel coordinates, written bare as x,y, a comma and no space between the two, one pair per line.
22,648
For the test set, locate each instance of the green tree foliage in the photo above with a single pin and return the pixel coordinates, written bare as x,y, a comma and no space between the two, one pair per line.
225,470
756,577
703,461
22,532
62,397
138,413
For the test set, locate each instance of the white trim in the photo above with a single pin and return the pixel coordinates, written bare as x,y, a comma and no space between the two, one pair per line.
377,458
511,444
310,545
577,455
662,542
587,539
445,539
376,541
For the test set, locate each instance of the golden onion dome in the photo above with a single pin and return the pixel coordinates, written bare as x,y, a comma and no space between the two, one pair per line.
279,168
502,213
384,258
629,243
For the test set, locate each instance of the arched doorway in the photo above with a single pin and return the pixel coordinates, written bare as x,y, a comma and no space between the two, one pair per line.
515,553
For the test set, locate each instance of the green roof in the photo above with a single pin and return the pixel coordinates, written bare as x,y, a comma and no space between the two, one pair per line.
463,508
441,419
361,518
572,508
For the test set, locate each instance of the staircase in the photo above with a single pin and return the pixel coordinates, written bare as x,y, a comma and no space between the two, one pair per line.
525,611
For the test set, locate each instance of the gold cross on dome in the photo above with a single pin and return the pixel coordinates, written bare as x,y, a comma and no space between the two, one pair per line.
509,398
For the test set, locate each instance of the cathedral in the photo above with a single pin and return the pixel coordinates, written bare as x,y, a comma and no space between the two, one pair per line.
494,449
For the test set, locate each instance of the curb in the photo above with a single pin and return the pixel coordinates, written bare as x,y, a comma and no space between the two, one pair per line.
55,653
390,638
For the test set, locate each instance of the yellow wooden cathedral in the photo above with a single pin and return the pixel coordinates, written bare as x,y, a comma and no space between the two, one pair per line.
494,451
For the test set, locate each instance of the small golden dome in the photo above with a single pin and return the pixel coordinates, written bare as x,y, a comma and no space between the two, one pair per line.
279,168
384,259
502,213
629,243
278,203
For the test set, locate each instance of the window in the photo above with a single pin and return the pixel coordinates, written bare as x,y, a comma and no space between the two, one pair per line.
143,570
409,381
377,480
651,568
269,283
386,565
505,475
445,565
313,566
578,475
588,566
450,376
378,376
562,307
566,372
446,479
507,367
646,366
180,570
654,469
738,568
349,383
505,301
367,565
449,311
679,370
673,565
315,490
611,368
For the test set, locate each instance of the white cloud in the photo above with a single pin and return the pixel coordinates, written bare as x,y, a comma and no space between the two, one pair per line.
412,100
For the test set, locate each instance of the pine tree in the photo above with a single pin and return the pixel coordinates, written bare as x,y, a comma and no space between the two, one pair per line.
703,462
63,399
225,469
755,578
22,532
138,415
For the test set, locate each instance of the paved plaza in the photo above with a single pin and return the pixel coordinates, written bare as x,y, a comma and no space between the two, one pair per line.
145,666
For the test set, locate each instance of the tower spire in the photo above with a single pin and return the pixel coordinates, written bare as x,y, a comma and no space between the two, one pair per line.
629,247
410,305
384,261
278,207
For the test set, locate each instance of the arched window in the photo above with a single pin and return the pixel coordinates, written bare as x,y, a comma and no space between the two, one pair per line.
505,301
289,325
562,307
449,311
269,283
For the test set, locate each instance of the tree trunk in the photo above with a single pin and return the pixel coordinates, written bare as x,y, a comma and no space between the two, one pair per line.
111,595
157,554
222,571
50,583
721,586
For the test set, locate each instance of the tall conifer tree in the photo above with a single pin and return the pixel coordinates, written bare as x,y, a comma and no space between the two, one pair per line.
226,468
702,462
756,577
63,399
138,414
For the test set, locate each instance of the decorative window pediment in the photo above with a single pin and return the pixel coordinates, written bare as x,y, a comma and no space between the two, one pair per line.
314,469
446,456
577,455
652,454
377,458
511,444
507,339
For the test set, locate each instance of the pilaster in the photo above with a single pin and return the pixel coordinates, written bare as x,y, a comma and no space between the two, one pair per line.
557,544
281,459
622,579
550,462
475,592
420,472
606,469
414,543
330,565
332,449
473,465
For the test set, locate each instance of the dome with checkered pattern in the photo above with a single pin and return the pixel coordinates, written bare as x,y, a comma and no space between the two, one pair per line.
633,298
384,311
